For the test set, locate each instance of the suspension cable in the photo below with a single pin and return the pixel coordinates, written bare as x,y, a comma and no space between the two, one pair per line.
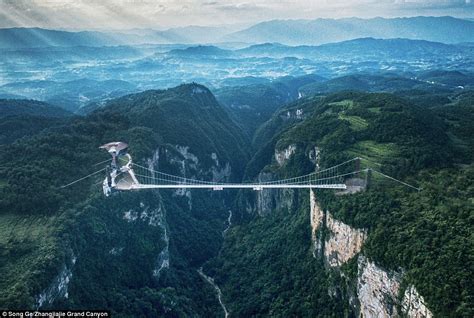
80,179
396,180
96,164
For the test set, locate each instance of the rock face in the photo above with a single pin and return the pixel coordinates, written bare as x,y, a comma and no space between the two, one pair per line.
413,304
341,243
297,114
163,260
58,288
317,218
377,290
153,217
344,241
220,173
281,156
190,166
187,159
269,200
314,156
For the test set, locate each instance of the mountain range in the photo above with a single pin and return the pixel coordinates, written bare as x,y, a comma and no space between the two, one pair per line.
319,31
290,32
152,249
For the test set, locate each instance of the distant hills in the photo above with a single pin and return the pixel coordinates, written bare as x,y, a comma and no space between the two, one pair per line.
37,37
201,51
289,32
15,38
70,95
319,31
357,47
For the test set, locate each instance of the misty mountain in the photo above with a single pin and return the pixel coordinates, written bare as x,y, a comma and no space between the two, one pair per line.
72,53
448,78
14,38
192,34
361,47
289,32
369,83
319,31
201,51
70,95
37,37
252,105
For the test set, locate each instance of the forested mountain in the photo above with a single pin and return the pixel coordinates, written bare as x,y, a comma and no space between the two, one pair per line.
20,118
252,105
72,95
136,254
19,107
418,240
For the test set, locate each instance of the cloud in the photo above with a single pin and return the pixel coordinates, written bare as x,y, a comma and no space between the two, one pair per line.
240,7
116,14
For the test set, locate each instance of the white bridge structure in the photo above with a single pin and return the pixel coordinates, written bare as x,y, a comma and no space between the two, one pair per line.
123,174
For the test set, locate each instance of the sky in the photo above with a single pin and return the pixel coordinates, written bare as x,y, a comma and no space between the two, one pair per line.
162,14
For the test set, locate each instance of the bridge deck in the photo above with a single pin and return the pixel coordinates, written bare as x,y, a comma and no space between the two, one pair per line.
239,186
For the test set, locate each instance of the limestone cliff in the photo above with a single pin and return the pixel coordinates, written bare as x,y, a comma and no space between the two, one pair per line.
375,292
341,242
413,304
379,293
269,200
281,156
317,218
58,288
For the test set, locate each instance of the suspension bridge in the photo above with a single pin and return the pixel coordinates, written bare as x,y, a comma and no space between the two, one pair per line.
123,174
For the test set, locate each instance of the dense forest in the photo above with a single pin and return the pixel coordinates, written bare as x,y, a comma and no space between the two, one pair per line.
138,253
426,232
47,228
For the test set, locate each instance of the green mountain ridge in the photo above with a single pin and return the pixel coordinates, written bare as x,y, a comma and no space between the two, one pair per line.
406,228
20,107
110,248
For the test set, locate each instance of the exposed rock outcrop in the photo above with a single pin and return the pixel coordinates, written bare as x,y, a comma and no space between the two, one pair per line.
281,156
188,158
221,174
269,200
317,218
150,216
340,244
413,304
163,260
343,241
377,290
314,156
297,114
58,288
